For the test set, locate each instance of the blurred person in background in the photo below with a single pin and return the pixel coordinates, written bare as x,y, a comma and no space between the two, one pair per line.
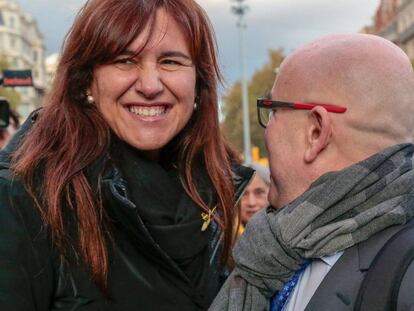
7,133
120,195
255,195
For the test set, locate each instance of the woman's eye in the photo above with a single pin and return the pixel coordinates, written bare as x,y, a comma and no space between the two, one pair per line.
170,64
259,193
124,63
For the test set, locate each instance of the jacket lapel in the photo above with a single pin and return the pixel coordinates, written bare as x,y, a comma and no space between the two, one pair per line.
339,289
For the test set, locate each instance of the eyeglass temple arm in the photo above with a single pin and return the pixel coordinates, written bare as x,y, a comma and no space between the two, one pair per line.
269,104
328,107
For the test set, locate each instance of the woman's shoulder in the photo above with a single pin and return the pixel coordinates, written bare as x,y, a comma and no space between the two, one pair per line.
10,185
16,205
17,208
20,220
26,255
12,190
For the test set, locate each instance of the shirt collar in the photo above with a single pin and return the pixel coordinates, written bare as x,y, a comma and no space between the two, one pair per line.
331,260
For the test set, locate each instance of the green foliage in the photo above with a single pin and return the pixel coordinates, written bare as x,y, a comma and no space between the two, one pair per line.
259,86
9,93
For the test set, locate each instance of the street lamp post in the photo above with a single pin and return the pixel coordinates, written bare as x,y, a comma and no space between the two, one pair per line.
240,10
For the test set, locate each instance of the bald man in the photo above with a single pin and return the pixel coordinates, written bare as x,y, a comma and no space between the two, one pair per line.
339,133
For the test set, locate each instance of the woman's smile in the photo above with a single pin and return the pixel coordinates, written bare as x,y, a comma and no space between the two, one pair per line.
149,112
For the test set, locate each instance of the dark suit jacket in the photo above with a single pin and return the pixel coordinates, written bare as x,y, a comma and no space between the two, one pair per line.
339,289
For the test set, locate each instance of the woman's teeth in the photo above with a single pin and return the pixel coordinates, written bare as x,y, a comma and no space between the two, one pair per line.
148,111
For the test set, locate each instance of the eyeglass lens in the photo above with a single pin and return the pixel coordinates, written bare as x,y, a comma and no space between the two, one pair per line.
265,115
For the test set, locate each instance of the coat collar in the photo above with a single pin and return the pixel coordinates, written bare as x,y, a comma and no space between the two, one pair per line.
242,176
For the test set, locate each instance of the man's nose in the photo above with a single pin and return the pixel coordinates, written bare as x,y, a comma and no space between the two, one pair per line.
149,82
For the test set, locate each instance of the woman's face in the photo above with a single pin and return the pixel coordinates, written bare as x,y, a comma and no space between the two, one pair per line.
148,99
253,199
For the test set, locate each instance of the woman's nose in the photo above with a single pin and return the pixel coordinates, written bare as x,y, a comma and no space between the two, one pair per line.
249,199
149,82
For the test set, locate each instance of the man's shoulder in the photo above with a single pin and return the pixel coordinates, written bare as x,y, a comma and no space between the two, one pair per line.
406,290
340,288
389,282
368,250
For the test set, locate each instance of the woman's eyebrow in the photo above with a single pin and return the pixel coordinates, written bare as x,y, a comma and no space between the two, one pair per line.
176,54
128,52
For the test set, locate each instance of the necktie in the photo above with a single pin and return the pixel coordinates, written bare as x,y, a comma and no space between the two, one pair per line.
279,300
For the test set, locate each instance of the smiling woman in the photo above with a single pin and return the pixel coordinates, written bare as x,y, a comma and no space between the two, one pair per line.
147,94
118,194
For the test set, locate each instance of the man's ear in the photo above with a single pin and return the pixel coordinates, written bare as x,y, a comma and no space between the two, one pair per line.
318,133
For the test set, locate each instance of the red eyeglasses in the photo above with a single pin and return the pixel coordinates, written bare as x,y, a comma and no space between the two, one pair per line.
263,106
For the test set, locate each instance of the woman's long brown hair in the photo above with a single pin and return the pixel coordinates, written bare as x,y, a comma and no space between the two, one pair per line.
70,135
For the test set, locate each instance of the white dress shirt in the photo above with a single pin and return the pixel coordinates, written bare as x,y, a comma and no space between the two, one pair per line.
309,281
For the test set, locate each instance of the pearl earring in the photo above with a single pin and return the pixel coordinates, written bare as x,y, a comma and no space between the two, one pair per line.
197,99
90,99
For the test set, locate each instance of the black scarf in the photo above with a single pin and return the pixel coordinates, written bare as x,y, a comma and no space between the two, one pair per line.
170,215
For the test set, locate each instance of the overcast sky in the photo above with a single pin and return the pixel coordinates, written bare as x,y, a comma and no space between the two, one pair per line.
271,24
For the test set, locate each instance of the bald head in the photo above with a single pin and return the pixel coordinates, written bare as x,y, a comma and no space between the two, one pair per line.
369,75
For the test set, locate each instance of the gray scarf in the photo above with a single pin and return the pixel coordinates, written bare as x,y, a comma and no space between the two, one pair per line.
339,210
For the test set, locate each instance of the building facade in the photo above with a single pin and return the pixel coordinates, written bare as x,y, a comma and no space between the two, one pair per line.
394,20
405,26
22,45
52,62
386,20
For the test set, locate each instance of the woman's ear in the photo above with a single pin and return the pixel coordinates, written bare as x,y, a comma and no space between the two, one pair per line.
318,134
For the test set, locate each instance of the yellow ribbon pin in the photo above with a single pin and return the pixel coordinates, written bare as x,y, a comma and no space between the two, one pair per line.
207,218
